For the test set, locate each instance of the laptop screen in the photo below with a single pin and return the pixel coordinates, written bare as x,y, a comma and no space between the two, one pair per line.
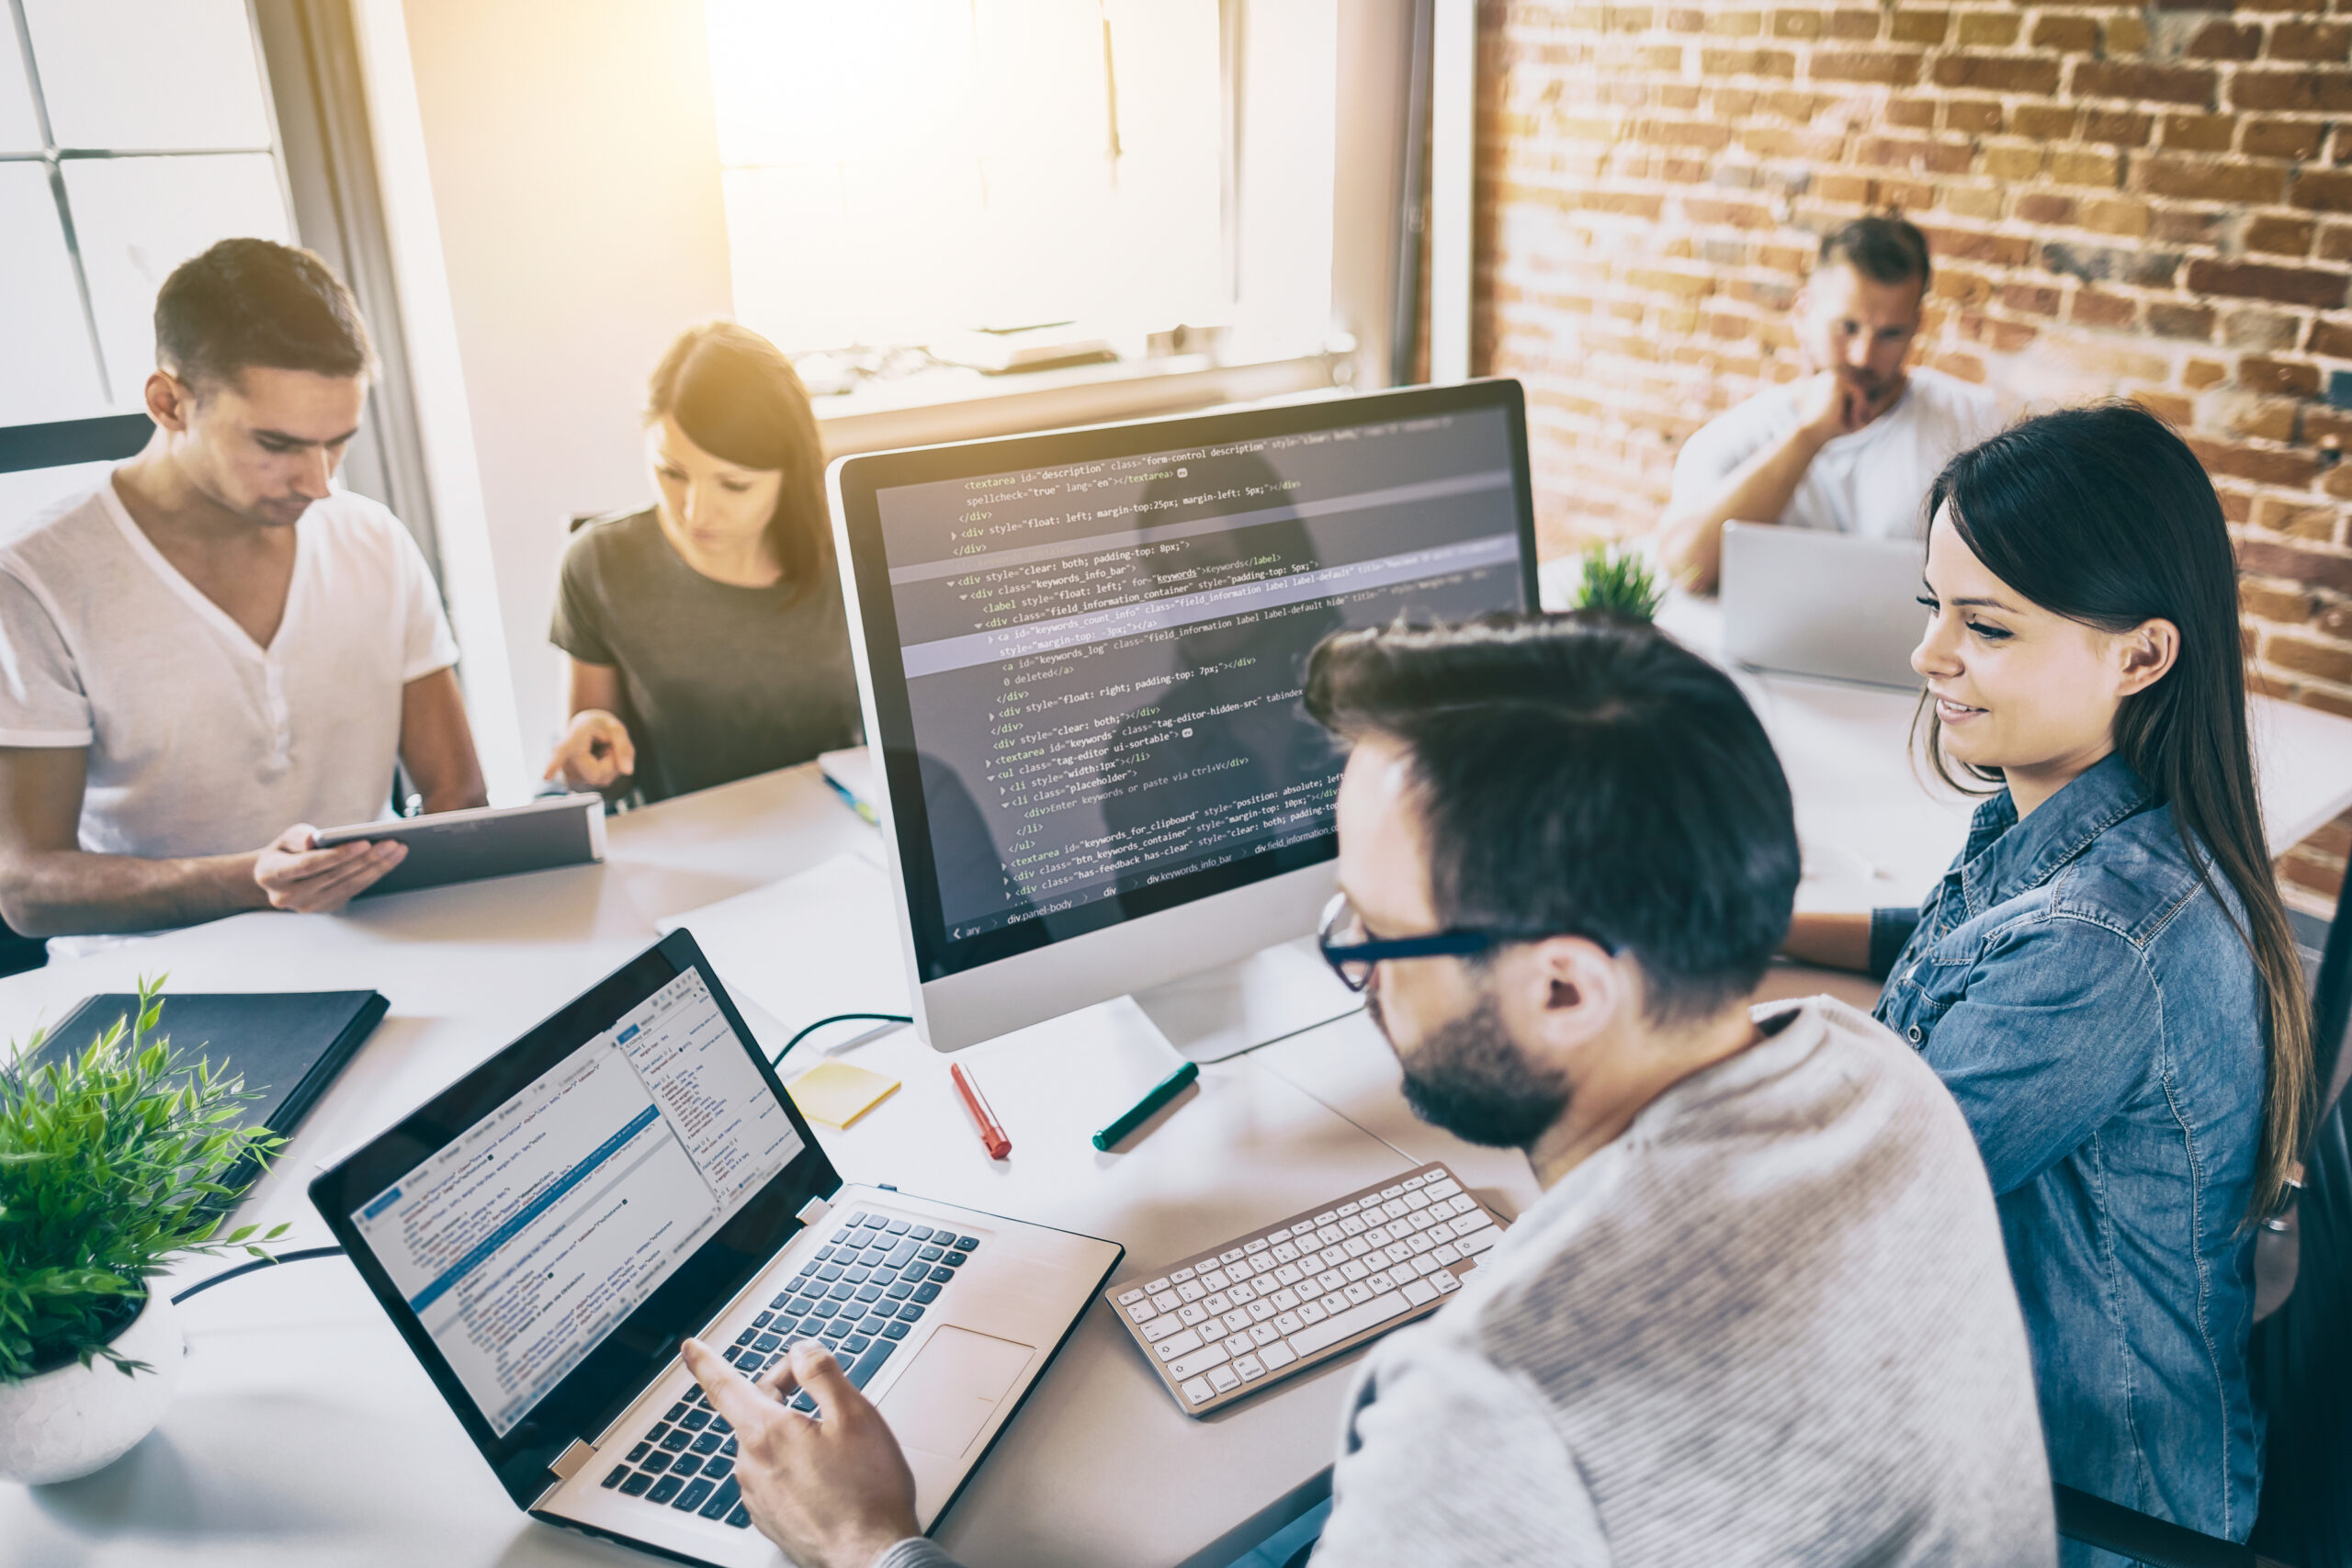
544,1230
522,1243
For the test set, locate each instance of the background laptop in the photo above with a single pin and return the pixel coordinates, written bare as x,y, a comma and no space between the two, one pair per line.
547,1230
1814,603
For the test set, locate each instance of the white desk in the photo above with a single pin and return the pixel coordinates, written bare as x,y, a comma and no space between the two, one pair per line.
304,1431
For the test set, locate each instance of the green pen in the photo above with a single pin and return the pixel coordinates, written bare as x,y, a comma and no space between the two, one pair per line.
1161,1093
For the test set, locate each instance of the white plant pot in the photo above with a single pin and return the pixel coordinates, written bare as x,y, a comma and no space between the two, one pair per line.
75,1419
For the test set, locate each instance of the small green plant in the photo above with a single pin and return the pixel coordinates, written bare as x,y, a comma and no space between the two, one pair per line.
112,1162
1618,582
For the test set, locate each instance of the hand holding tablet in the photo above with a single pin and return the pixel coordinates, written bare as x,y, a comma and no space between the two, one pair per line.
466,846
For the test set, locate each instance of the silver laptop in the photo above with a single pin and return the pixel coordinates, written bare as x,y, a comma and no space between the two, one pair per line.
547,1230
1812,603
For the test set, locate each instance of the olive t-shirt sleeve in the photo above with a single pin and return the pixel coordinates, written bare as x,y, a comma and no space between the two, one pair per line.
576,626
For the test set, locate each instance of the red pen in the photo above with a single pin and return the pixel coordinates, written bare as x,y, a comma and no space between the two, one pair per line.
991,1136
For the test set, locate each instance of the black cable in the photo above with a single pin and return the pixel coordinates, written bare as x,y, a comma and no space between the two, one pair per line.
301,1255
837,1018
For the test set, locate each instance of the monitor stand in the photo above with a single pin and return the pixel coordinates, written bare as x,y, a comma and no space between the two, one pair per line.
1276,992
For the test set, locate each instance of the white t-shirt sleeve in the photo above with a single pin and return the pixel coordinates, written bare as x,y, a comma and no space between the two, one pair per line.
427,644
41,700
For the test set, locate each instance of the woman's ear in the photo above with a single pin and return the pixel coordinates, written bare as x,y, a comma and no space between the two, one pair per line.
2144,654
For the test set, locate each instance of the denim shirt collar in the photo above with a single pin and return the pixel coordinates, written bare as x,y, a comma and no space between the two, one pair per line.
2005,857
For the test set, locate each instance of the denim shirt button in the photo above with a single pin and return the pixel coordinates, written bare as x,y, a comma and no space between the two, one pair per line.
1915,1034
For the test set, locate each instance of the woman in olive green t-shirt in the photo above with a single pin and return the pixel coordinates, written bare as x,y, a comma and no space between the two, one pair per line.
707,633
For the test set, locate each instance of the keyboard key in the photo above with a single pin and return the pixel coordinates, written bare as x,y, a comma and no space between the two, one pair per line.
781,1299
639,1451
1176,1345
620,1472
1225,1380
931,1254
665,1489
718,1467
655,1463
1420,1293
831,1271
1276,1356
1197,1392
636,1485
729,1493
1264,1334
687,1465
1160,1328
868,1293
1199,1362
765,1343
1341,1324
942,1274
855,1343
1191,1313
860,1218
967,1244
1250,1368
919,1233
1129,1298
843,1292
958,1258
873,1323
728,1448
825,1308
1477,1242
896,1228
910,1313
676,1439
691,1497
695,1420
896,1330
810,1327
928,1292
861,1371
1237,1345
1445,1282
1156,1286
720,1427
708,1443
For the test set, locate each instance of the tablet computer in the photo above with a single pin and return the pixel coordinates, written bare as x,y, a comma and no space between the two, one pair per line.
488,841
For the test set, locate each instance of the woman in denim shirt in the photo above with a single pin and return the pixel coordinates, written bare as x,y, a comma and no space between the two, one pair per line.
2105,979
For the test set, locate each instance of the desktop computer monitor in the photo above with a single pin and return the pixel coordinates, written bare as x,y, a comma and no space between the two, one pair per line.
1081,655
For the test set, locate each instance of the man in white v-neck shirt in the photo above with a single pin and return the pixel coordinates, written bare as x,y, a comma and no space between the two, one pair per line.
1853,444
216,650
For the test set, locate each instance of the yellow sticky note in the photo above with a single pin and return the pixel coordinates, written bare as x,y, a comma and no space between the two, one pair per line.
838,1094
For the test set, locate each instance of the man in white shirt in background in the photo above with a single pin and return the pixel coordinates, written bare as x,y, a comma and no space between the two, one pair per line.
1853,444
216,649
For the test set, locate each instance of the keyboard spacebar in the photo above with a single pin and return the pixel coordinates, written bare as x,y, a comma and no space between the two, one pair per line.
1356,1320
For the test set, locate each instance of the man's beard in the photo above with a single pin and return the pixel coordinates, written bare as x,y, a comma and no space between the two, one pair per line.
1470,1078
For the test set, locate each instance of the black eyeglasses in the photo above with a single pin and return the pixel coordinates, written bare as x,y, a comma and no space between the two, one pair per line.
1354,955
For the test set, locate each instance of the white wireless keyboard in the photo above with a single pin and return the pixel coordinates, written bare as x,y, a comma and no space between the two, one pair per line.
1278,1301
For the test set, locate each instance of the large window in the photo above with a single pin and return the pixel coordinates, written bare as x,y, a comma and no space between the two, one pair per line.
908,172
134,134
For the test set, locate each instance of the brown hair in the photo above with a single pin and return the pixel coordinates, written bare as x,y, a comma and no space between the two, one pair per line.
1887,247
737,398
258,302
2105,516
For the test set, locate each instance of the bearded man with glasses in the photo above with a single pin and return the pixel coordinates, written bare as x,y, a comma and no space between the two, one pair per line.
1760,1314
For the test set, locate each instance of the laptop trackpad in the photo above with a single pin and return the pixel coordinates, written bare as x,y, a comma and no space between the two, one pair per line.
939,1404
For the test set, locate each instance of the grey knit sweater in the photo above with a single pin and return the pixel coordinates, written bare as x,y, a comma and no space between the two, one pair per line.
1770,1324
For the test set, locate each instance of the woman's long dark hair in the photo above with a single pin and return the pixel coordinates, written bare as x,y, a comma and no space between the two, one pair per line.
737,398
2103,515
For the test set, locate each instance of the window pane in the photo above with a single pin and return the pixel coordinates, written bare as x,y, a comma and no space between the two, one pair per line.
899,168
46,368
19,132
149,74
138,218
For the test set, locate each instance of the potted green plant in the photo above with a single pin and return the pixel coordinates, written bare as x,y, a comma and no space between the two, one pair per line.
113,1162
1617,581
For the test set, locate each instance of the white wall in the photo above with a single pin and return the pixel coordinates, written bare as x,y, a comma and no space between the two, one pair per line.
574,158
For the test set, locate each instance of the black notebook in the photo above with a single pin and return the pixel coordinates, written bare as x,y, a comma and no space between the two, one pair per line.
288,1045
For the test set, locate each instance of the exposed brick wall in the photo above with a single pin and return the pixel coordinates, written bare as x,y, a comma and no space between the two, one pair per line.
2143,201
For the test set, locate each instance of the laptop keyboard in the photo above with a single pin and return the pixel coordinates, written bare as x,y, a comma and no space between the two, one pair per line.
861,1294
1279,1300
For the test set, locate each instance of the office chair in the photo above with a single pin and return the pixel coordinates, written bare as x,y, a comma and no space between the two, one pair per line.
2302,1352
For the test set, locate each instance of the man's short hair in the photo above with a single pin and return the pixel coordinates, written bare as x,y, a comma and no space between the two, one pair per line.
257,302
1885,249
1584,774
